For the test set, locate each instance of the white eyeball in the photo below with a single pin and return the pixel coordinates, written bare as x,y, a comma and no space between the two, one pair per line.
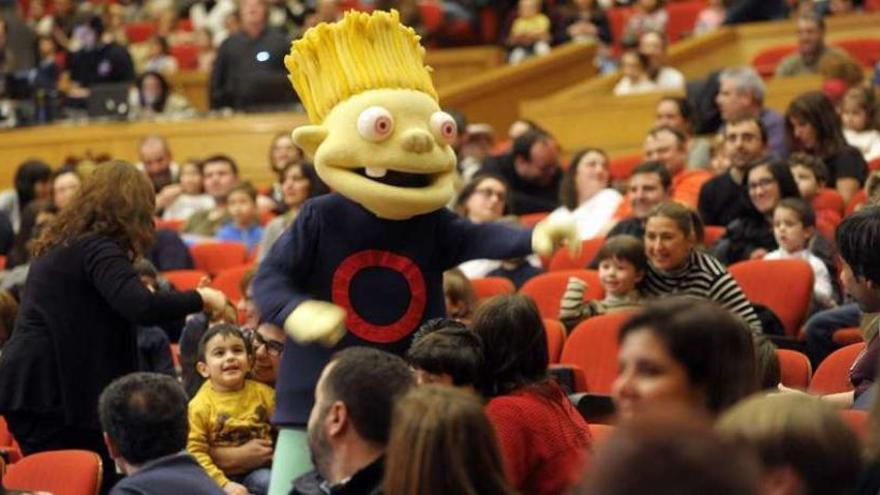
444,127
375,124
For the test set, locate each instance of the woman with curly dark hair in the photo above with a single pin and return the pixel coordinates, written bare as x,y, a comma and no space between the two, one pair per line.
75,331
813,126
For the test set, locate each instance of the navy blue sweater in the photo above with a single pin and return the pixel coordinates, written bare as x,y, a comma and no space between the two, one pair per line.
387,274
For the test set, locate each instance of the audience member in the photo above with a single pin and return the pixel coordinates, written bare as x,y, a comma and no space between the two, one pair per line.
446,352
586,21
34,219
649,16
532,171
811,47
858,113
97,61
229,409
648,187
669,147
809,173
585,191
677,267
685,353
459,296
282,152
635,75
244,227
442,443
750,236
794,225
667,454
268,344
475,145
678,113
530,33
160,167
813,126
350,423
622,264
144,419
249,72
152,96
82,283
220,175
486,198
211,16
741,92
159,57
31,182
192,198
804,446
544,440
710,18
299,183
653,44
724,198
66,183
154,348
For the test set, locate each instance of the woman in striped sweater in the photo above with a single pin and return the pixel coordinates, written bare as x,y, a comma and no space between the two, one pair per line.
677,267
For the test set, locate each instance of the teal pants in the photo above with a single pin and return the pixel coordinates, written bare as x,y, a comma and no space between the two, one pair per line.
291,460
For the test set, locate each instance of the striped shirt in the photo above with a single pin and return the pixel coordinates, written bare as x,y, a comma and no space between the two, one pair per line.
705,277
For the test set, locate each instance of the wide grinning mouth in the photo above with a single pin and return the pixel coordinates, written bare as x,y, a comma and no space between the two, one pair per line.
394,178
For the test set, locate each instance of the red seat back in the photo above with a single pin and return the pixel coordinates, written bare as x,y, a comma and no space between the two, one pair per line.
61,472
593,346
795,369
562,259
215,256
184,279
859,199
187,56
711,234
532,219
228,281
789,301
487,287
621,167
847,336
555,331
865,50
829,199
682,17
857,420
547,289
832,376
766,60
140,31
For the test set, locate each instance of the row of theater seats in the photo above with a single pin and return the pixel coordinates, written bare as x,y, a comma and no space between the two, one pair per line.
865,50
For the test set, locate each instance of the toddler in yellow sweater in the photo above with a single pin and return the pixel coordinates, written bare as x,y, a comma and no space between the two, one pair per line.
229,410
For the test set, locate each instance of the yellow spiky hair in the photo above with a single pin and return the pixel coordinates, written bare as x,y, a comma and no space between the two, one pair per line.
332,62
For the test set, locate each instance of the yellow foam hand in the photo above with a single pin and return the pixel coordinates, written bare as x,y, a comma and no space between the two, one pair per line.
316,321
558,228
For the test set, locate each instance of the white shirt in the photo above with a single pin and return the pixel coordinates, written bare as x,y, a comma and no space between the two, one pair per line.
868,142
822,291
670,78
596,212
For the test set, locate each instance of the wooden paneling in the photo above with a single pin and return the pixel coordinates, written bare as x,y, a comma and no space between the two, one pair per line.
245,138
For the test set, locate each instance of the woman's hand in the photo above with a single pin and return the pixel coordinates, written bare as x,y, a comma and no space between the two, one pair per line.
213,300
253,454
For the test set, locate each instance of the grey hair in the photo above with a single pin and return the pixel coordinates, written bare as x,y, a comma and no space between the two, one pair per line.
747,80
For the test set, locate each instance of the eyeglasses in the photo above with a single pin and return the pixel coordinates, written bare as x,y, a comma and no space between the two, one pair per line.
761,183
488,193
273,347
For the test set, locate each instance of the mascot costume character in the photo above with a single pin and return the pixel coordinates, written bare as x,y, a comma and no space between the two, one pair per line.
364,264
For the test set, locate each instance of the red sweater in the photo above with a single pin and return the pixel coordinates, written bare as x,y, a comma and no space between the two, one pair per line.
544,443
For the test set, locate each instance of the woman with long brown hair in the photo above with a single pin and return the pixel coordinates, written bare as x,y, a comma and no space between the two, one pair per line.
442,443
813,126
75,331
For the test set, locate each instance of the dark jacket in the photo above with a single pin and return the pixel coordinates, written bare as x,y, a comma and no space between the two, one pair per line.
178,473
367,481
75,332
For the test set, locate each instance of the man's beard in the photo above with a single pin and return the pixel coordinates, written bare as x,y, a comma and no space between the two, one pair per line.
319,448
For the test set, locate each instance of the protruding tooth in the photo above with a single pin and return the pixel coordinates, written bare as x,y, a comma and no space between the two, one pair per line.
376,173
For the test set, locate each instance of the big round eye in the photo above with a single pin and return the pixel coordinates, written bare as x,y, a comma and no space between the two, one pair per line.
375,124
444,127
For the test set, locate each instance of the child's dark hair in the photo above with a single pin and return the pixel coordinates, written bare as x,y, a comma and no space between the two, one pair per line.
624,247
813,163
247,188
858,240
643,59
801,208
223,330
452,350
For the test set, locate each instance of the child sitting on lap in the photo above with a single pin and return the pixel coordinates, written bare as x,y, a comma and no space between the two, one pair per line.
229,409
622,265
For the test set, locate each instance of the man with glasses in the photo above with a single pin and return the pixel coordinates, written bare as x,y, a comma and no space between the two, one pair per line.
268,343
723,198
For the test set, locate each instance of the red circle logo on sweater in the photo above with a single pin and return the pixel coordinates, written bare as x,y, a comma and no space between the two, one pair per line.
375,258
